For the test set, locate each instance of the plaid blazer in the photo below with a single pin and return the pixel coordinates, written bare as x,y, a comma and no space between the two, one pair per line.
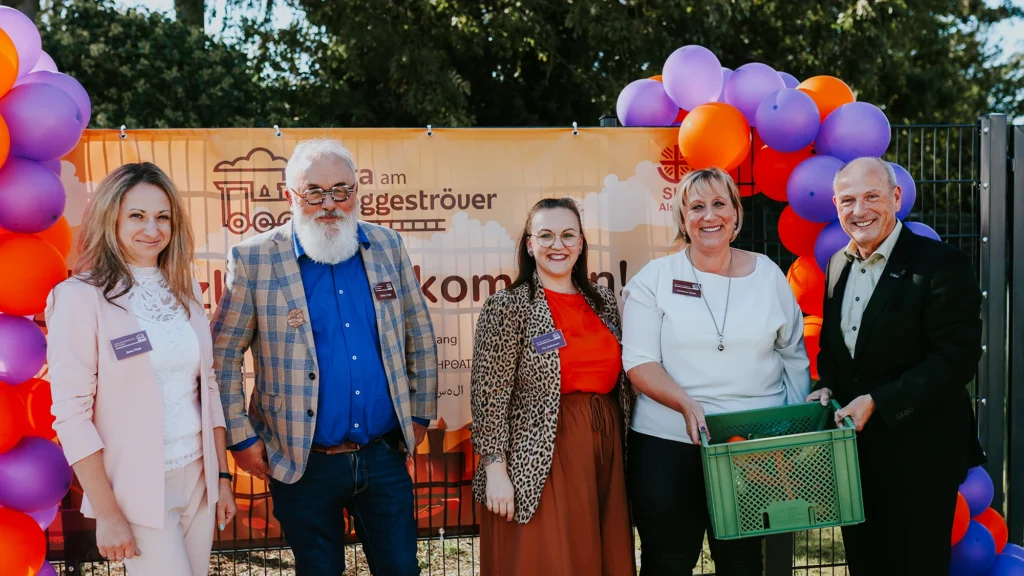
263,286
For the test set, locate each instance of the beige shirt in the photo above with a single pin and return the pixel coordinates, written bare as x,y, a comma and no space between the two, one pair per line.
864,276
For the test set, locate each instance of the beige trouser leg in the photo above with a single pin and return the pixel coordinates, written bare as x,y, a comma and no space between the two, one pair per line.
182,548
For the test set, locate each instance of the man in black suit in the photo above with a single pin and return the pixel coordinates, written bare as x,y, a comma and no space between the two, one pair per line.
900,340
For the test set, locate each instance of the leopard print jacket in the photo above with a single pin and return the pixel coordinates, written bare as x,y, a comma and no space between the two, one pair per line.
515,393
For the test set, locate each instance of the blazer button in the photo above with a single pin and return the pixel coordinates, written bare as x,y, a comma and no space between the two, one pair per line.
309,412
312,376
856,378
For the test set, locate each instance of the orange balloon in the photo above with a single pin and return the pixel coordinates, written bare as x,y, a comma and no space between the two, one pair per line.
808,284
22,544
58,236
772,169
962,518
996,525
812,342
798,235
658,78
5,141
31,267
8,63
37,399
828,92
13,423
714,134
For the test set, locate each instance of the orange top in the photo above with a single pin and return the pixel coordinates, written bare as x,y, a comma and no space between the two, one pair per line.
592,358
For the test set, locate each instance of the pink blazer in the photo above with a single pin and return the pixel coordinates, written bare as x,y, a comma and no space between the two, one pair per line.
102,403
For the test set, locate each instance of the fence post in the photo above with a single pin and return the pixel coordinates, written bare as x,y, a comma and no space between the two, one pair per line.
778,554
991,402
1015,492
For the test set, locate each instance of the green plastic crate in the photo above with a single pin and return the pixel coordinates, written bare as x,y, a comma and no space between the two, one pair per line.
797,471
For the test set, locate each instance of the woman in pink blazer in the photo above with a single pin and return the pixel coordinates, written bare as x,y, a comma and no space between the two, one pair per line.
137,408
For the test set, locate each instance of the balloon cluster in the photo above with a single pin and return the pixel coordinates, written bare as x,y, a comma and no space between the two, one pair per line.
42,116
979,536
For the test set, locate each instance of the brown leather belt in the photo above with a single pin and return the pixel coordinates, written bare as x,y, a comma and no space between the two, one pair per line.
345,448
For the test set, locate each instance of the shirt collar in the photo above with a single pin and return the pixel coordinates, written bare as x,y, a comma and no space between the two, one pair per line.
883,252
364,241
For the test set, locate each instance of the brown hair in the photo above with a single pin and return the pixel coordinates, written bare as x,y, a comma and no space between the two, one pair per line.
527,265
704,180
102,263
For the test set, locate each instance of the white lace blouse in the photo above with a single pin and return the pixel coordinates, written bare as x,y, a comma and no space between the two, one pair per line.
176,361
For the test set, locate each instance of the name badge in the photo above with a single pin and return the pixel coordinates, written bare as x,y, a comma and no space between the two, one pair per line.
131,345
548,342
686,288
384,291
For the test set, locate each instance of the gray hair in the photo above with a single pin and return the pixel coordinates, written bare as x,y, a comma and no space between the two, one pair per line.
309,151
889,171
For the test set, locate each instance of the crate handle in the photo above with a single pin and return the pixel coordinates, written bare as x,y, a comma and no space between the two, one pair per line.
704,438
847,421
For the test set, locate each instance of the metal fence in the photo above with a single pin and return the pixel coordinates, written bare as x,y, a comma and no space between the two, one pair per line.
957,173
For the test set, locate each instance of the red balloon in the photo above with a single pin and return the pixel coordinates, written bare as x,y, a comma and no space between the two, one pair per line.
36,396
962,519
22,544
808,284
798,235
31,267
772,169
58,236
812,342
743,174
996,525
13,423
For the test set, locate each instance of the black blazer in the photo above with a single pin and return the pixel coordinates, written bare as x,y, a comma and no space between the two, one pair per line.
918,347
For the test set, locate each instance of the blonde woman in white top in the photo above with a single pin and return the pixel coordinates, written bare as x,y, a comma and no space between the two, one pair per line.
137,409
708,329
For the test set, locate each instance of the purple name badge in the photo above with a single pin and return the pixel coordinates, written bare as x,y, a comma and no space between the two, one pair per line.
548,342
130,345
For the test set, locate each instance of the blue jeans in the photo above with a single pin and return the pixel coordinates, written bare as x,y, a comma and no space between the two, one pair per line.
373,484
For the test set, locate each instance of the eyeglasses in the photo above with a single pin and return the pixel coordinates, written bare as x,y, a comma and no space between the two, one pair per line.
547,239
316,196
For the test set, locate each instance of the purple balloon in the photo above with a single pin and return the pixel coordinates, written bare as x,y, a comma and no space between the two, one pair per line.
726,74
748,85
909,190
974,554
1006,565
46,570
34,475
45,63
53,165
44,517
977,489
810,188
923,230
831,239
31,196
22,349
692,76
645,103
854,130
70,86
44,121
787,120
789,80
25,35
1012,549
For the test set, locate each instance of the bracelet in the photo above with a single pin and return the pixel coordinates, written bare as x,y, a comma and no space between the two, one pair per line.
226,476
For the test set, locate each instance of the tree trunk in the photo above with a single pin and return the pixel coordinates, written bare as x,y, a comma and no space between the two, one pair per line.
27,7
190,12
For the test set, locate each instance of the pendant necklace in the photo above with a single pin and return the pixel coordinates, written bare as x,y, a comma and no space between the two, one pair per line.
728,291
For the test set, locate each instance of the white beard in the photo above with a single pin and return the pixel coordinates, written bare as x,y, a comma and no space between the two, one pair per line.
327,243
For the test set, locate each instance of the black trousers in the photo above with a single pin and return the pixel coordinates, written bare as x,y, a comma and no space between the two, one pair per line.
665,480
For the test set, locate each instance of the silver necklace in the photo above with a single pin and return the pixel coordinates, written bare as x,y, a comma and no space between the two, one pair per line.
728,291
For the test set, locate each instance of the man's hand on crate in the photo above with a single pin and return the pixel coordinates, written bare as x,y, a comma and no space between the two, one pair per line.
860,410
821,394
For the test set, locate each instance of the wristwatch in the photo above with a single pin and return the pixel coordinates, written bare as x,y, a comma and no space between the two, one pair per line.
227,476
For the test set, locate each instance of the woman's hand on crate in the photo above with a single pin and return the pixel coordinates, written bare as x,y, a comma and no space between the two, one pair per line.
860,411
821,394
694,414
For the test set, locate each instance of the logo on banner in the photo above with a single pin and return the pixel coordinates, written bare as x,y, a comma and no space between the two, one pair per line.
673,165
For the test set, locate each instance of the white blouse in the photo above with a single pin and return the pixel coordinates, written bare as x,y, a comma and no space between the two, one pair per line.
176,361
763,364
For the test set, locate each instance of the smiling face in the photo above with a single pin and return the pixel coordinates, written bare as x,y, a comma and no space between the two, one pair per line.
867,203
144,224
710,218
558,226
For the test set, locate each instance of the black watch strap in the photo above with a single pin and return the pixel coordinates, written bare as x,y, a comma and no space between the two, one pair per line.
227,476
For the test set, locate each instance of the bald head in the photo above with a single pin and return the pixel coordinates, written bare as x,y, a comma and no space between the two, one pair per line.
867,167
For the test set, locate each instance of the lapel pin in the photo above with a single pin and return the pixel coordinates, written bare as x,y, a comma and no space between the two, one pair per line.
296,318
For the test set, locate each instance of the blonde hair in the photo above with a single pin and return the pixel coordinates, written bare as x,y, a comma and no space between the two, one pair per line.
704,181
102,263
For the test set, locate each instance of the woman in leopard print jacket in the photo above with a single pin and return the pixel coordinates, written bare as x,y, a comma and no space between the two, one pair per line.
549,399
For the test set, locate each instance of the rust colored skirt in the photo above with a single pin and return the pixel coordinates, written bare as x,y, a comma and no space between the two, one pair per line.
581,527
